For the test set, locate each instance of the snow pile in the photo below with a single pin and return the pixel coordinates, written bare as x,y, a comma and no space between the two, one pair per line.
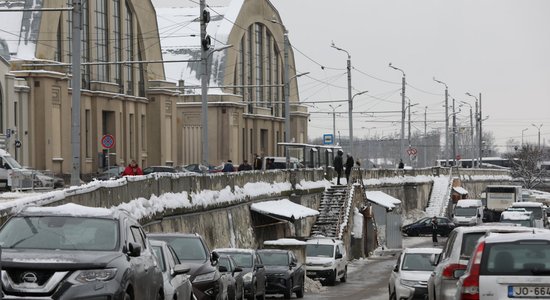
314,286
357,223
347,212
284,208
398,180
306,185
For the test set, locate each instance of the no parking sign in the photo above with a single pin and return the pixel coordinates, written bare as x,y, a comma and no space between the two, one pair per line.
108,141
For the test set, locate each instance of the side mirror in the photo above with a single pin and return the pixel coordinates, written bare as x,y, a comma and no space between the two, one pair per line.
396,269
222,269
339,255
237,269
259,266
134,249
292,264
180,269
433,259
214,256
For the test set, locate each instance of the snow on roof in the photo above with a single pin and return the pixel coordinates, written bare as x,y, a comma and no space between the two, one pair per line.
285,242
284,208
527,204
179,33
460,190
468,203
20,29
70,209
235,250
422,250
515,215
382,199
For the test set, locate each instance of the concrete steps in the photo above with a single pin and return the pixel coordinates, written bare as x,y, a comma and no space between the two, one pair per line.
331,210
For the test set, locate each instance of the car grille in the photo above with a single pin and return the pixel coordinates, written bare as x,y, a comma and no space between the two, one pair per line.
31,281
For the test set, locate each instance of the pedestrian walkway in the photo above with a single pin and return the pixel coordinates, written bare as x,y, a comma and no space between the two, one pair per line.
441,192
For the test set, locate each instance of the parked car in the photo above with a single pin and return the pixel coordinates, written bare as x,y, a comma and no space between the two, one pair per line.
285,275
424,226
113,172
455,256
176,284
191,250
77,252
508,266
523,218
252,268
228,267
326,259
159,169
409,277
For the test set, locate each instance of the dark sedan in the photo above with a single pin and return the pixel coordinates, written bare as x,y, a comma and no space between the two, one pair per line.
228,267
424,226
284,274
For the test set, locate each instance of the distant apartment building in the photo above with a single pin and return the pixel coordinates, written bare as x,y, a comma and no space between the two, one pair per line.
149,107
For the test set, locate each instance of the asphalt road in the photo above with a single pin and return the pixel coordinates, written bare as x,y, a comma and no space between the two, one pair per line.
368,278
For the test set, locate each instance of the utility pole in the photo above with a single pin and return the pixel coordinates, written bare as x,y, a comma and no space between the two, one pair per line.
287,95
477,133
75,86
334,120
205,45
480,134
472,136
403,84
454,134
425,136
446,120
350,98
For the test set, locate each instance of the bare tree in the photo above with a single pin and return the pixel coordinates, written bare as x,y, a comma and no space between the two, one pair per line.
526,163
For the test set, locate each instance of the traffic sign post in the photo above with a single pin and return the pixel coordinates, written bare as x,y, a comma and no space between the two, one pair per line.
328,139
108,142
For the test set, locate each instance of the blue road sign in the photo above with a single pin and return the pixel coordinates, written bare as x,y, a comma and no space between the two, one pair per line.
108,141
328,139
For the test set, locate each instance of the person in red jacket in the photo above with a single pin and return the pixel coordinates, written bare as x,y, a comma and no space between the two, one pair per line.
132,169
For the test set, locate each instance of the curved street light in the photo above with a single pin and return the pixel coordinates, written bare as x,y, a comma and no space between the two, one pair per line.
538,128
522,131
350,98
479,119
403,84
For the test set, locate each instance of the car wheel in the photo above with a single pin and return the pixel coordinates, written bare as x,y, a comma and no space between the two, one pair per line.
392,296
252,295
345,276
160,296
288,292
332,279
300,292
413,233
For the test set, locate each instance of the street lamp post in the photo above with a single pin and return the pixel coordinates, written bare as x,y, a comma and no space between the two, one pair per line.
334,120
538,128
403,84
522,131
350,98
471,132
446,119
480,132
287,100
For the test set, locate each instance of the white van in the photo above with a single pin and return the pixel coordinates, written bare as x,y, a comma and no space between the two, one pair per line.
13,176
468,212
537,208
326,259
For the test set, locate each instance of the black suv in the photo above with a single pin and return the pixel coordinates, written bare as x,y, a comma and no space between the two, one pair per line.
285,275
77,252
192,251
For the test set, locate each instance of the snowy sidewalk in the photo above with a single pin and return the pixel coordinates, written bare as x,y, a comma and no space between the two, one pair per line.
440,196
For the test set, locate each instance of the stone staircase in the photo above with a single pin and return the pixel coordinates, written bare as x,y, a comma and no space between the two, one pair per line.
331,211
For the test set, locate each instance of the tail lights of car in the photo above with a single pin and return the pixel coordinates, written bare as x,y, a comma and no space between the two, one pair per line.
470,284
449,270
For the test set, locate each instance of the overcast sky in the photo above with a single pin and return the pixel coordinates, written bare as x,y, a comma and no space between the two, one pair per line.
499,48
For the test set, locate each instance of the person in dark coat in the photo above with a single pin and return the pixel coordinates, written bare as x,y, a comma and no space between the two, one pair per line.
349,166
257,162
228,167
401,164
132,169
434,230
245,166
338,165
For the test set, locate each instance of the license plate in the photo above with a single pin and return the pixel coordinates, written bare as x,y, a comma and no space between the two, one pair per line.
528,291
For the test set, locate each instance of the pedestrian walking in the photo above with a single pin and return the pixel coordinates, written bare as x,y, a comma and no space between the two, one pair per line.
228,167
338,164
349,166
401,164
434,230
132,169
245,166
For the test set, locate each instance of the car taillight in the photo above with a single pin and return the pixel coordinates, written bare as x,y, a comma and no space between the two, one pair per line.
448,271
470,284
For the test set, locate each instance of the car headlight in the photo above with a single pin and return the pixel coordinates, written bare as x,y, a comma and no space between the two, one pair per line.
87,276
247,277
329,264
408,282
205,277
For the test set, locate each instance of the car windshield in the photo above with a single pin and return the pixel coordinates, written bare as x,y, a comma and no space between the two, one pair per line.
536,211
243,260
465,211
60,232
527,257
274,259
526,223
224,262
317,250
186,248
12,162
417,262
469,241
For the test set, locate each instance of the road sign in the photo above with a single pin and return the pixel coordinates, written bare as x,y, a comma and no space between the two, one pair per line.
412,151
108,141
328,139
458,157
17,144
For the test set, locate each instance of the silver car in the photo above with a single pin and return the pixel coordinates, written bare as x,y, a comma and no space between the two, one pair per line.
176,282
455,256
